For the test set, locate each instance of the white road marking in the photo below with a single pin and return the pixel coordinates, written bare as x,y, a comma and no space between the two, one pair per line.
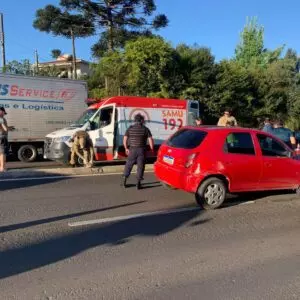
128,217
63,176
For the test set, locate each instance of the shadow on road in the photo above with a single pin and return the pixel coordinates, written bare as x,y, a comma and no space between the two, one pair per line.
8,181
32,256
237,199
64,217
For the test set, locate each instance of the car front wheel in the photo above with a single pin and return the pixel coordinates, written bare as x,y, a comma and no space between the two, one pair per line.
211,193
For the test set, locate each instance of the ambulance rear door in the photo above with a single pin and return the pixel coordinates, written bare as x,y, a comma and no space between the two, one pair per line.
193,111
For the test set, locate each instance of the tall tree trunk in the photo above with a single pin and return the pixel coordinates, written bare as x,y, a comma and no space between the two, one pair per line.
74,67
110,26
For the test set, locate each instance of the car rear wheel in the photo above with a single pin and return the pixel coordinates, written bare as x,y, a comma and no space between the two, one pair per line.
211,193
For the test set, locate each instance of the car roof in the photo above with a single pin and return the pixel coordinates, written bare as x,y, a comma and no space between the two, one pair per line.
210,128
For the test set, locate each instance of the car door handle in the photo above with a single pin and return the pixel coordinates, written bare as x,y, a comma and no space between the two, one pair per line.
268,164
228,162
109,132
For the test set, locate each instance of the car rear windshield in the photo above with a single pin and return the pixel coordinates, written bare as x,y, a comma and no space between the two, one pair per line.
187,139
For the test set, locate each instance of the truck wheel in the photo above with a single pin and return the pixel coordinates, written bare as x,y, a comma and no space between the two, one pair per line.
27,153
211,193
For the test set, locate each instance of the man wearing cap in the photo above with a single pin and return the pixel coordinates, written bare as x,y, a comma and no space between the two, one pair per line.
3,139
227,118
135,143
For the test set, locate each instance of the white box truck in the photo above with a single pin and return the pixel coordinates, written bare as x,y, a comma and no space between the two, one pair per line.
36,106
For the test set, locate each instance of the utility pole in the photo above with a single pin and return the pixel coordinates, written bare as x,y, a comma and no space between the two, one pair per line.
2,41
36,56
74,67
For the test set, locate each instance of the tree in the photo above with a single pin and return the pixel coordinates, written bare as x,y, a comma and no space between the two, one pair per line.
123,20
55,53
19,67
234,88
251,49
197,67
149,61
59,22
113,70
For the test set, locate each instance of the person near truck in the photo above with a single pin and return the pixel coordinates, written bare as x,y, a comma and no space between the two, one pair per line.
82,144
227,117
3,139
135,144
284,134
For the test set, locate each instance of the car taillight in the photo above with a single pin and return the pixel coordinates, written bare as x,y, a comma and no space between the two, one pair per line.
190,160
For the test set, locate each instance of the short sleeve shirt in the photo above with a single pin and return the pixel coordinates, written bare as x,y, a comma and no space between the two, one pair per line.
283,134
138,135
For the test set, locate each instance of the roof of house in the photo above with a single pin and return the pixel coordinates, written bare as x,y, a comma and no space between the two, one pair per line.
63,61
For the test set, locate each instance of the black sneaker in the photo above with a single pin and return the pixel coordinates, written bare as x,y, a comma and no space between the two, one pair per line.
138,185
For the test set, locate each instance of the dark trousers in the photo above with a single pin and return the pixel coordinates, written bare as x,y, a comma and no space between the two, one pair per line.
136,156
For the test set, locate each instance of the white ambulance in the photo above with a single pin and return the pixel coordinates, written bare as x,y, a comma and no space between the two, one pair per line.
107,121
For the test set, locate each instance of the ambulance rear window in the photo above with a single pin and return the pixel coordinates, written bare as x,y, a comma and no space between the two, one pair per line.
187,139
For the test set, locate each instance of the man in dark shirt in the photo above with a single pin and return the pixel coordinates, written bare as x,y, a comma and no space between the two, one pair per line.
284,134
136,138
267,126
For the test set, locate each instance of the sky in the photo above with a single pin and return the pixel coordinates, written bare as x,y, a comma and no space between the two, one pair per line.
215,24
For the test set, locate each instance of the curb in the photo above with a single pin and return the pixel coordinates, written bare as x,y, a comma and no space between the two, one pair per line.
66,172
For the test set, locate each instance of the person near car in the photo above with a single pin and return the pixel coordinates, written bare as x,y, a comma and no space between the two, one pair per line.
3,139
198,121
227,117
135,144
82,143
284,134
268,127
231,139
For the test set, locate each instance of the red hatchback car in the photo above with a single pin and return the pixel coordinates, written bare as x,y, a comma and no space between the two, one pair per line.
212,161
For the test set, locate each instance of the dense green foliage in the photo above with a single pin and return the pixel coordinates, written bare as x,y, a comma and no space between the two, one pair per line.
256,83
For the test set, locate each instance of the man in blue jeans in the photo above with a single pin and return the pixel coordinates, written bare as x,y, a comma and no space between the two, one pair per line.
135,144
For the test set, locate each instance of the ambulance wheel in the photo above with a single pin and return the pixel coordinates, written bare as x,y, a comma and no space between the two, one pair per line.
27,153
211,193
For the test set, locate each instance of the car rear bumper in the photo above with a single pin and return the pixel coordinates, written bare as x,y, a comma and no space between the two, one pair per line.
178,178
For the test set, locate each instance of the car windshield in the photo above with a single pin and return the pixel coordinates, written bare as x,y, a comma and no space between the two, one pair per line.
84,117
187,138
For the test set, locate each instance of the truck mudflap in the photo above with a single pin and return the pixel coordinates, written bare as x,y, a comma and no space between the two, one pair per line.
56,151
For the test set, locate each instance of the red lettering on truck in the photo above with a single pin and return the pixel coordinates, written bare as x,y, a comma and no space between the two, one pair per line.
14,90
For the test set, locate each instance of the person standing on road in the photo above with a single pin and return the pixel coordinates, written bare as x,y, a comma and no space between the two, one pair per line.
227,117
284,134
135,143
3,139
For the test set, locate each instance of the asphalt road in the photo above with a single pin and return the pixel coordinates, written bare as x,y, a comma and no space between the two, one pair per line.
243,251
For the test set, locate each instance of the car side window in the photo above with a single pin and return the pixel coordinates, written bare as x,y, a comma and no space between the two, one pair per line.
239,143
271,147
